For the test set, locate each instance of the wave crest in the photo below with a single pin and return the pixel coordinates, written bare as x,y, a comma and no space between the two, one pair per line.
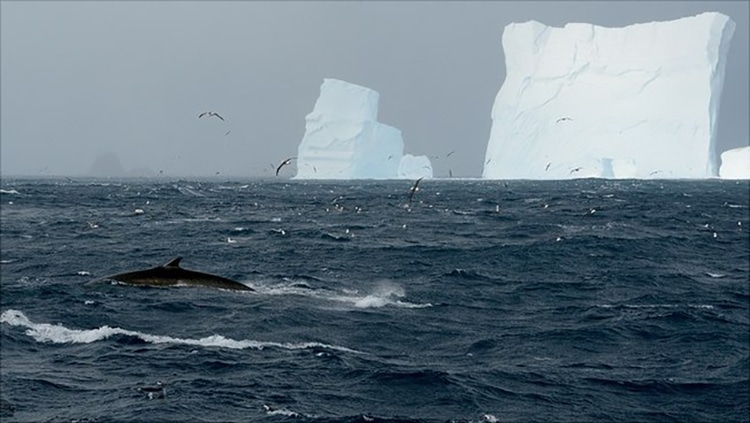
59,334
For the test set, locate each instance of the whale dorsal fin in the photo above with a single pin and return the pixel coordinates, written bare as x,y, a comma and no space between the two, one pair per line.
175,262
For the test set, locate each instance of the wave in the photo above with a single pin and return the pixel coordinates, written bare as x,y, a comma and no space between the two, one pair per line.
59,334
657,306
9,191
384,294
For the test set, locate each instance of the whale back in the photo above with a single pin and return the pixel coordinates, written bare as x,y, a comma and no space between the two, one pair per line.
171,274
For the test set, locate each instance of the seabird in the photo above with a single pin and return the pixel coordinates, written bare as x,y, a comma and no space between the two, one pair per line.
155,392
449,154
562,119
209,114
284,163
545,169
575,170
414,189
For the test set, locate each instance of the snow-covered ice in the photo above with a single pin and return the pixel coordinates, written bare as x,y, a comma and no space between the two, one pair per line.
735,164
588,101
344,140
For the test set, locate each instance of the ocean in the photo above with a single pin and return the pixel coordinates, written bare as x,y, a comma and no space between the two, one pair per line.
586,300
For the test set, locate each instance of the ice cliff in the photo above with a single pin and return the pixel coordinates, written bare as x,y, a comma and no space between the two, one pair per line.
735,164
588,101
344,140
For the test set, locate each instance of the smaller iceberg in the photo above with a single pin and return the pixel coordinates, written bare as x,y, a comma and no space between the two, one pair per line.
344,140
735,164
414,167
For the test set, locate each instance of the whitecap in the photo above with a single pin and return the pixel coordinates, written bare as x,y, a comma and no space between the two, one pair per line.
279,411
386,293
59,334
9,191
189,191
735,206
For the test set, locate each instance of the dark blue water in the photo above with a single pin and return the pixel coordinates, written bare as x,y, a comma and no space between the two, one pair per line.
584,300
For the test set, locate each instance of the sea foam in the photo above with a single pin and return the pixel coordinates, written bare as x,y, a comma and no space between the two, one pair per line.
59,334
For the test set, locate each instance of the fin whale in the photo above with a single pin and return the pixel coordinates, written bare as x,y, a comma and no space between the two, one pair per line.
171,274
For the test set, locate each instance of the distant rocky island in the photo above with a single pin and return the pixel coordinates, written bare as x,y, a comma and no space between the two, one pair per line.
108,165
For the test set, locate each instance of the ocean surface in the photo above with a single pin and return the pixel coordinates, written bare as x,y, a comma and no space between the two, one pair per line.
481,301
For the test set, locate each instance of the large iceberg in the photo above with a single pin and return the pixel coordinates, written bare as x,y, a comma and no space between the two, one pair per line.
735,164
344,140
587,101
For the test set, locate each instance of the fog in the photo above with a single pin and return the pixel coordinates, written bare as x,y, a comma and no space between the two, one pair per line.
83,79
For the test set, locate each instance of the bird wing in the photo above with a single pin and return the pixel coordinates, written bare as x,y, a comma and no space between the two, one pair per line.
284,163
414,189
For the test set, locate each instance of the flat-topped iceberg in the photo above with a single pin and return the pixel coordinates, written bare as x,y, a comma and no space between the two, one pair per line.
587,101
344,140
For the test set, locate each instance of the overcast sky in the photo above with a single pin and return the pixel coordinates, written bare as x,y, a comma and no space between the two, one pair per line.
79,79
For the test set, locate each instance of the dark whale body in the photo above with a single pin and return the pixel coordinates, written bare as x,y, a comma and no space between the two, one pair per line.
171,274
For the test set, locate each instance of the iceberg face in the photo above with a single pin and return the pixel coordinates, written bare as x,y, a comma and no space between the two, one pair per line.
735,164
414,167
587,101
343,139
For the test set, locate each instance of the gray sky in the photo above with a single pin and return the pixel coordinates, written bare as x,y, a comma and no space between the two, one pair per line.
79,79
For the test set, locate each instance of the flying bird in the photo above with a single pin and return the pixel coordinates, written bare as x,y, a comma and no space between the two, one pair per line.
575,170
547,168
449,154
284,163
209,114
563,119
414,189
